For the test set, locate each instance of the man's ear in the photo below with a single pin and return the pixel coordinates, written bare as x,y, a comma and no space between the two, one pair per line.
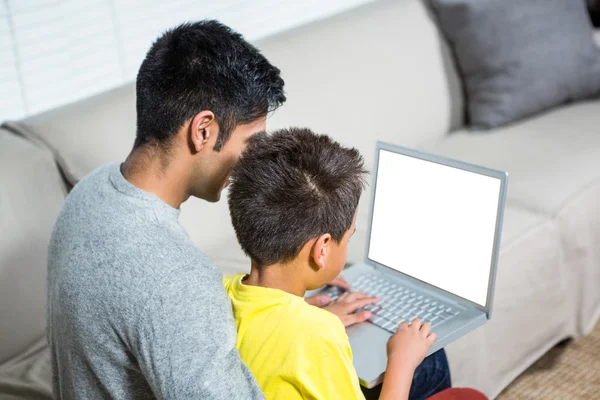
320,250
203,126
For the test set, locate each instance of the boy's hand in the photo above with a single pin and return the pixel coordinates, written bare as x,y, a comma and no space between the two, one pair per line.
410,344
346,305
340,282
322,300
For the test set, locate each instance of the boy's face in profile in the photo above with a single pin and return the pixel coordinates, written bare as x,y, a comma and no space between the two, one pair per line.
336,257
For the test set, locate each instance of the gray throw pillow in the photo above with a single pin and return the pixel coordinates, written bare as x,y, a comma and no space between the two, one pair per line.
594,8
520,57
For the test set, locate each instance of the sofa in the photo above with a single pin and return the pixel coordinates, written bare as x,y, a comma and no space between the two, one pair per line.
382,71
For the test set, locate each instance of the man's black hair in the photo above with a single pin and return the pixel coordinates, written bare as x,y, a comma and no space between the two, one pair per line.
291,187
203,66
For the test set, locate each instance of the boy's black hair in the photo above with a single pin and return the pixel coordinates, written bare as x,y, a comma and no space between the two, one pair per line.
203,66
291,187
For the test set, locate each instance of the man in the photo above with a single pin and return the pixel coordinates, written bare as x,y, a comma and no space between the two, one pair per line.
135,310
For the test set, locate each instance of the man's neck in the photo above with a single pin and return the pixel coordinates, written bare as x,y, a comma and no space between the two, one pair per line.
147,169
284,277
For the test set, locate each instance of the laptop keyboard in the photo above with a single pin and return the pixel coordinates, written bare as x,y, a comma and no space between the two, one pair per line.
397,304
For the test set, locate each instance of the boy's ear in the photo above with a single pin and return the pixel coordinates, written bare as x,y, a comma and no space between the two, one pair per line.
201,129
320,250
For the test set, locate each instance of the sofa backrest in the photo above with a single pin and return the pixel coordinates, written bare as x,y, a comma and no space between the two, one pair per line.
85,134
382,71
31,194
378,72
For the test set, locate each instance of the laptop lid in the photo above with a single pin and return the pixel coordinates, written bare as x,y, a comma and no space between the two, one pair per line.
437,221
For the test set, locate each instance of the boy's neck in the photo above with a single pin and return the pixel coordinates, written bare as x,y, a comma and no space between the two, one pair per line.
277,276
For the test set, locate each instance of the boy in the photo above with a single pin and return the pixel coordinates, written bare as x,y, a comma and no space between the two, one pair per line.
293,201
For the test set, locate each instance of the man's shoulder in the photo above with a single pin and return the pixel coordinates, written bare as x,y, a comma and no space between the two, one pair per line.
83,201
190,268
124,241
92,181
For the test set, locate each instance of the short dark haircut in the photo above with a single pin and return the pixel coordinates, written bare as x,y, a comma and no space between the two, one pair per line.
291,187
203,66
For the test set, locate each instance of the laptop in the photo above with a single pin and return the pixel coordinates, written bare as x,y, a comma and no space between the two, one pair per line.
432,251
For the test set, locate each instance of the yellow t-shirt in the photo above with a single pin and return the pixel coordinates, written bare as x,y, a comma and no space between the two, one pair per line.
294,350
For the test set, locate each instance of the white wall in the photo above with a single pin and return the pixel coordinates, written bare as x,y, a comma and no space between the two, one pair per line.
54,52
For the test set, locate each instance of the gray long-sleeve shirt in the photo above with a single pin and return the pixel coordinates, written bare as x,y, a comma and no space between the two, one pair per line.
135,310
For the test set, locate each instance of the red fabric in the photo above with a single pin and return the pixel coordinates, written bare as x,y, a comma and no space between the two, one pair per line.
458,394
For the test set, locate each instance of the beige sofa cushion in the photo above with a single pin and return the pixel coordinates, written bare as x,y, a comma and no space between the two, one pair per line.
31,197
29,375
550,158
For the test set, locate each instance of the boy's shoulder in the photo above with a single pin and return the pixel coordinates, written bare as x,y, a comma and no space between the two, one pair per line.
290,315
318,323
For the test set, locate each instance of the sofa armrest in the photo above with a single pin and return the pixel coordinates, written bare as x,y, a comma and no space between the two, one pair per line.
31,196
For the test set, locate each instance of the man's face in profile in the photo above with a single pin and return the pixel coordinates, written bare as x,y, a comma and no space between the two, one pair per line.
217,168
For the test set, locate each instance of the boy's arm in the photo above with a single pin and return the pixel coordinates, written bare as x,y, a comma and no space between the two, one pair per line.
406,350
399,377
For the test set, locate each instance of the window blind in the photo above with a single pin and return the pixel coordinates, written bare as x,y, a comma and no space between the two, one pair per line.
54,52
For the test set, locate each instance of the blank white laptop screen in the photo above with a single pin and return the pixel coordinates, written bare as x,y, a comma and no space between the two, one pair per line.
435,223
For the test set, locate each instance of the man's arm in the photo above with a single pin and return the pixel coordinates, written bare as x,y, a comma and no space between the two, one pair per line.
185,341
